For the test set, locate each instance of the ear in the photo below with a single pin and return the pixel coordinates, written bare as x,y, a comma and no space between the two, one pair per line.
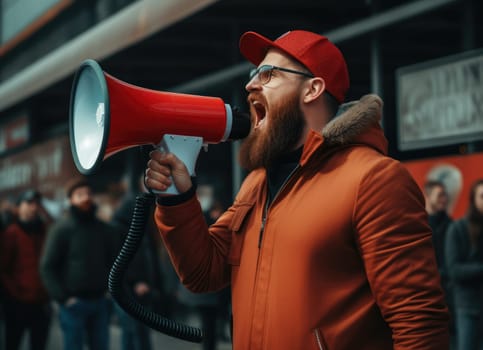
313,89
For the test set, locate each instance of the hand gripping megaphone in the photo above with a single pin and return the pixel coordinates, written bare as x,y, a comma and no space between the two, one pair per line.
108,115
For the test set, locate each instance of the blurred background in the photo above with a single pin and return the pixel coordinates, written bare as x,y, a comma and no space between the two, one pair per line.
423,57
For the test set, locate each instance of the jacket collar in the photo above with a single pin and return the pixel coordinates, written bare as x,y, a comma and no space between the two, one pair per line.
357,122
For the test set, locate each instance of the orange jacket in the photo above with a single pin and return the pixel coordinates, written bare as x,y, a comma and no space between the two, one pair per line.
346,260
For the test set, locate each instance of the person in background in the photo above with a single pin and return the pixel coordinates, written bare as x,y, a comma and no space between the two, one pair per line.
26,302
79,253
327,244
464,258
436,199
439,220
143,277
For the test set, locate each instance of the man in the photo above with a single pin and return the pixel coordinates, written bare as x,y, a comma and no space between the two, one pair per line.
26,303
464,259
437,200
439,220
75,267
327,244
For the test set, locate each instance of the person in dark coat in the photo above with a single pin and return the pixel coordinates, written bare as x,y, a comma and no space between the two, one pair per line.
464,255
79,253
436,198
437,208
26,302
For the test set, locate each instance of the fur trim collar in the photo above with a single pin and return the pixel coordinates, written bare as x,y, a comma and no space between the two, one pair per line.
353,119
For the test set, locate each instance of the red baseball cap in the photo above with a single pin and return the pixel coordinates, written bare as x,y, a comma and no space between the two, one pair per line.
320,56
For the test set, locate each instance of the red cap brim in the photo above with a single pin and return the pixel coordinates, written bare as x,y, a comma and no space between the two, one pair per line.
255,46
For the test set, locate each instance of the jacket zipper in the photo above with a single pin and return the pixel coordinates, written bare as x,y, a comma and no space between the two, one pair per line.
267,206
262,230
318,339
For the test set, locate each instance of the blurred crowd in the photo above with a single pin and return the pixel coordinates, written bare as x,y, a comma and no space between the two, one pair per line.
57,266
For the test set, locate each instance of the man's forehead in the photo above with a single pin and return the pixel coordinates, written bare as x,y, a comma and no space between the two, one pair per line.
275,57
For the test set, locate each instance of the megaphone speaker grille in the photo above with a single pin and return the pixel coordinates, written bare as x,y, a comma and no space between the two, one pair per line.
90,118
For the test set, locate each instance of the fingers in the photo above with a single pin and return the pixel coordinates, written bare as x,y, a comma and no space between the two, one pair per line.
159,169
163,168
168,159
157,176
156,181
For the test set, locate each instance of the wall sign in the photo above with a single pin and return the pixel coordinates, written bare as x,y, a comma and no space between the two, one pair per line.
440,102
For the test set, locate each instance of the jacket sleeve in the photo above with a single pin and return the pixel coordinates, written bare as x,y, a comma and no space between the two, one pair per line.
198,253
51,263
395,241
459,269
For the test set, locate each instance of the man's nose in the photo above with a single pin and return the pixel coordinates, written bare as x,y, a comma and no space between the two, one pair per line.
253,84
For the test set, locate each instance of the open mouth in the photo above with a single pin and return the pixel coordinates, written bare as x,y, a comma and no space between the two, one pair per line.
260,113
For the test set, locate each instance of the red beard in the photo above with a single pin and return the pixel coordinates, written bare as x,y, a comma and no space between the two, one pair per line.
280,135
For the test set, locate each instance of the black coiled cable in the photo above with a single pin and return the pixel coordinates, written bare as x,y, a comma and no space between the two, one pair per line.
131,306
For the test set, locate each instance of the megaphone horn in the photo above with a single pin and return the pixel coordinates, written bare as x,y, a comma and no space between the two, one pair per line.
108,115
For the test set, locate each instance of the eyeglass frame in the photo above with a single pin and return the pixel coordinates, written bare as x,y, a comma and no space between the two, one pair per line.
270,68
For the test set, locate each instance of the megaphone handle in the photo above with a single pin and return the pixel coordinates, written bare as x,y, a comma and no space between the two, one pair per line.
186,148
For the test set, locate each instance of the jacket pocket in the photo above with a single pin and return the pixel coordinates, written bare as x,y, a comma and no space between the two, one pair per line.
241,212
319,340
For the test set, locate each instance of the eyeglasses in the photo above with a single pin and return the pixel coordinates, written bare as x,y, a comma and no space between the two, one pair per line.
264,73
